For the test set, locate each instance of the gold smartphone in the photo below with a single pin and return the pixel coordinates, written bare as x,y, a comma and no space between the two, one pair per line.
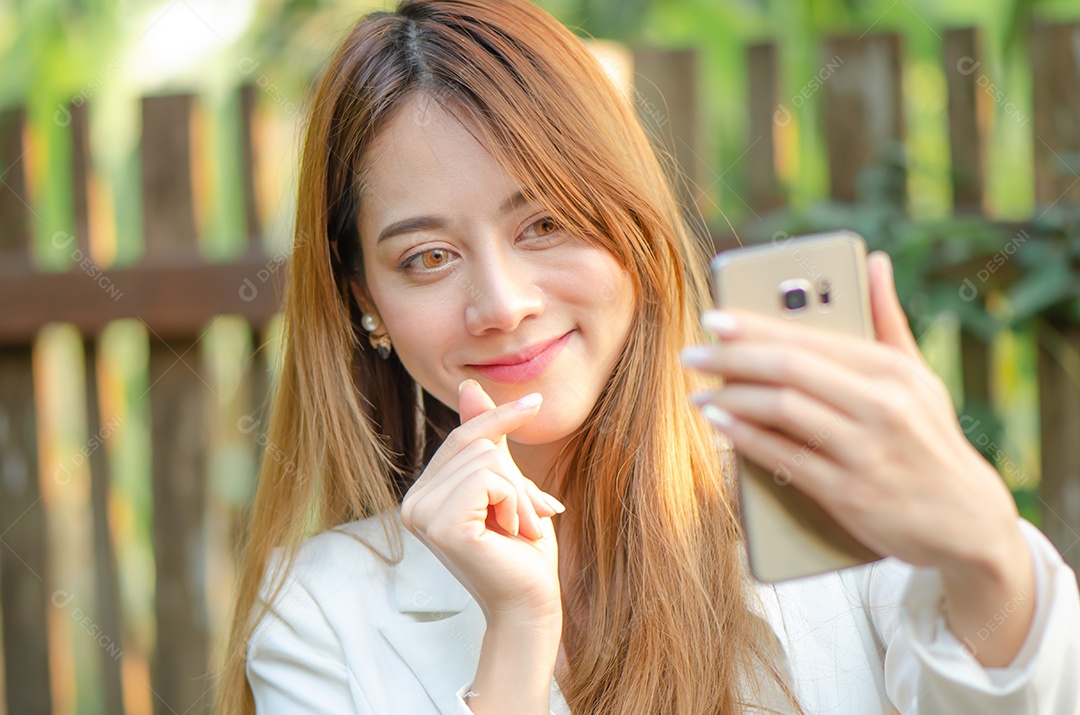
819,281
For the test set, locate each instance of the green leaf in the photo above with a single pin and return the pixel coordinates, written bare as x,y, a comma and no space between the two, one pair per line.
1048,285
972,313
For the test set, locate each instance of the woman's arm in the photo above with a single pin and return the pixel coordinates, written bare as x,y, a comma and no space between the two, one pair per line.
895,469
295,662
492,529
517,663
990,599
930,671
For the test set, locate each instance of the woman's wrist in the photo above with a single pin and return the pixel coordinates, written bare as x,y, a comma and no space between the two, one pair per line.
546,617
990,602
541,631
517,664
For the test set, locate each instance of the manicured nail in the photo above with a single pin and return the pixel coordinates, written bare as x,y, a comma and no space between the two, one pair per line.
533,399
700,398
886,259
554,503
719,322
461,386
719,417
696,355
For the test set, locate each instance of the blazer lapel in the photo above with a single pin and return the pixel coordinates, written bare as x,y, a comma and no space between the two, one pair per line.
441,627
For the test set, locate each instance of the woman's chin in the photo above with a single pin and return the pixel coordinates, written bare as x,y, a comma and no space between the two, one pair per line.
543,433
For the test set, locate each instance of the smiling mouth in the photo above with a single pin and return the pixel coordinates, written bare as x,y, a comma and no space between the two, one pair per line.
536,362
521,357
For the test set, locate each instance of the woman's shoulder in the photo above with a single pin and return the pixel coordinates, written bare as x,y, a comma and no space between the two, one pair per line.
358,555
374,561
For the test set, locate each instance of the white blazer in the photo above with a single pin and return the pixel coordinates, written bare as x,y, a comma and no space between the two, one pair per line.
350,635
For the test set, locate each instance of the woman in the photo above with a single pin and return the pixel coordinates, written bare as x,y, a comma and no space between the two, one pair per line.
489,291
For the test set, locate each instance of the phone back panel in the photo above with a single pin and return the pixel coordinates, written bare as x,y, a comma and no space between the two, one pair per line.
787,534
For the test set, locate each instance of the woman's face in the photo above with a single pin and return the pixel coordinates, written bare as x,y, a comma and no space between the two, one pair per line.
463,270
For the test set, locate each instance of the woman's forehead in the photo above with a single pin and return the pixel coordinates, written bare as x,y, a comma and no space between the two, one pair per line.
432,168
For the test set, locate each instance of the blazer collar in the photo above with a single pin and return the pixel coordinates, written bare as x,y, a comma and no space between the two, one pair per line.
422,584
440,627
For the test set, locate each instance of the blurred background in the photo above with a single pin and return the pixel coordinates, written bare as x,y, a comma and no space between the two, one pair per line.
147,161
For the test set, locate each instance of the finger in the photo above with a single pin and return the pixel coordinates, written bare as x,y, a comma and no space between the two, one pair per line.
437,483
528,516
423,500
833,384
494,425
473,403
545,507
890,322
449,465
491,426
812,473
498,462
478,491
421,508
545,504
810,424
507,508
473,400
733,325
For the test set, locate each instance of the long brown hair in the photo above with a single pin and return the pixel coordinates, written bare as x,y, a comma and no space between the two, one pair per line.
657,615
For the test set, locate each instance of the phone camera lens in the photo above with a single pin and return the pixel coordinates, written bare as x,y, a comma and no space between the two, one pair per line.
824,286
795,299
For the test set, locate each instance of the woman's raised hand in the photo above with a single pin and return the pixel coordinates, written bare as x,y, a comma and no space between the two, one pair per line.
867,430
864,427
489,524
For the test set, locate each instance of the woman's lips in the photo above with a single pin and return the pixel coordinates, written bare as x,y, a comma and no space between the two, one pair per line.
525,371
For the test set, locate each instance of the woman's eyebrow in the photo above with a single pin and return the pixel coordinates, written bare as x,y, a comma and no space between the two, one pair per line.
409,225
431,223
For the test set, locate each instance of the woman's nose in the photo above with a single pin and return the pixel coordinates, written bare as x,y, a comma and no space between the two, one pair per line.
500,293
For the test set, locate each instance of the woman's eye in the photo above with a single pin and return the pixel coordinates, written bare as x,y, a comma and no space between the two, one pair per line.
434,259
430,260
544,227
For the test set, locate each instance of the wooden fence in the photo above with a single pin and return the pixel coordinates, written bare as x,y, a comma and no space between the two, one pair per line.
176,293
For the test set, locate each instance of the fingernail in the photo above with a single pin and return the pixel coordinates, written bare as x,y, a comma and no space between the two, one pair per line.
700,398
530,401
719,417
554,503
719,322
516,524
461,386
696,355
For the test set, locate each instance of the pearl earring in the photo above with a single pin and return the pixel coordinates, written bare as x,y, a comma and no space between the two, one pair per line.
380,342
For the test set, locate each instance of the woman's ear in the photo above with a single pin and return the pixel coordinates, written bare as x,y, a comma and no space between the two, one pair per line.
362,300
357,293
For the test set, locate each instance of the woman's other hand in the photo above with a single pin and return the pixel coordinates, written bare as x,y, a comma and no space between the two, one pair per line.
489,524
867,430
